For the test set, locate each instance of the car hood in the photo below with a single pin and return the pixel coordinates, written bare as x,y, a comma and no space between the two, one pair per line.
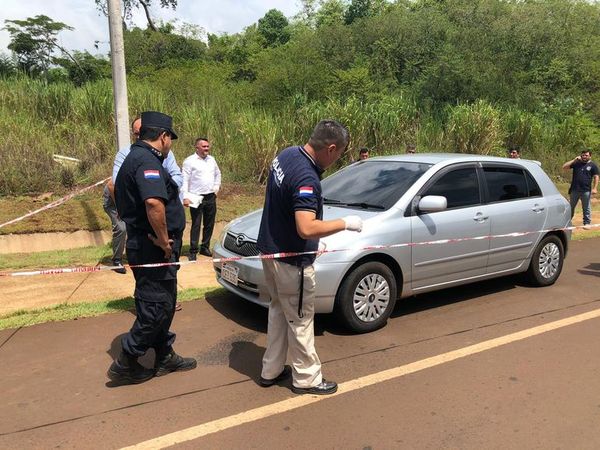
249,224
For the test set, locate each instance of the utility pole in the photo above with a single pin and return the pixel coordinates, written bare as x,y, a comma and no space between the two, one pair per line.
117,59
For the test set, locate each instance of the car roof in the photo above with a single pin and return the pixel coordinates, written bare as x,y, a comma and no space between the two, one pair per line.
435,158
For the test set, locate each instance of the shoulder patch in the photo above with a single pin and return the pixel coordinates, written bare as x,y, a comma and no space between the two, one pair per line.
305,191
151,174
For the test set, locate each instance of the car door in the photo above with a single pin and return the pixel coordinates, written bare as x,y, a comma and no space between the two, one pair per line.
516,206
465,217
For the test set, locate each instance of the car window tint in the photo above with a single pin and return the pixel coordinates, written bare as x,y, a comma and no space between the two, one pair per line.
372,182
505,183
534,188
460,187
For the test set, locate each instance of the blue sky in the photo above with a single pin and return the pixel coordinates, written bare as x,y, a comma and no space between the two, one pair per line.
220,16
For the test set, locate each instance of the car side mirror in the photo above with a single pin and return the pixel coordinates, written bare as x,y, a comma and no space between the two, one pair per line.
433,203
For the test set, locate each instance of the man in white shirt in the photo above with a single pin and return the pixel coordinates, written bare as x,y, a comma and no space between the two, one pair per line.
201,183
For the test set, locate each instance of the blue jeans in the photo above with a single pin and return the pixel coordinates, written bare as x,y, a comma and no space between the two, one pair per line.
585,204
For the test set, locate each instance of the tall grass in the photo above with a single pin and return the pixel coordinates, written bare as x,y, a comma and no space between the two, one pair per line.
475,128
41,119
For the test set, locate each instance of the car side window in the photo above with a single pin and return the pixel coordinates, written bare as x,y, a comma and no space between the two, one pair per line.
459,186
505,183
534,188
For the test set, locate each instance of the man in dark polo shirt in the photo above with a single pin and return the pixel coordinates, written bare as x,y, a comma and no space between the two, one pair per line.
147,200
292,221
583,184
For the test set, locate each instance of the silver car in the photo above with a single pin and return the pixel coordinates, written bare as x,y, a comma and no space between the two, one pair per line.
430,221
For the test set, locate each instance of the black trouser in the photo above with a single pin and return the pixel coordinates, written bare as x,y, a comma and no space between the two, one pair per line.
155,297
206,212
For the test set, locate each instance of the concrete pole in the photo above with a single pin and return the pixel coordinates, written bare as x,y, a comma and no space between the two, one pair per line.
117,58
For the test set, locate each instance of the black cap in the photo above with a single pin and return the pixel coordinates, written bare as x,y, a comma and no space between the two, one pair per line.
158,120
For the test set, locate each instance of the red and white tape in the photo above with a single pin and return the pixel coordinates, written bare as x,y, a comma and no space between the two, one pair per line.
55,203
85,269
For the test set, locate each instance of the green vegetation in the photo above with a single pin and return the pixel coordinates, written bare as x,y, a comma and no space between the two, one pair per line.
459,76
70,311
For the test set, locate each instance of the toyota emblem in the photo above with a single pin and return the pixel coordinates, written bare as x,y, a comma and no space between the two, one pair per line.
239,241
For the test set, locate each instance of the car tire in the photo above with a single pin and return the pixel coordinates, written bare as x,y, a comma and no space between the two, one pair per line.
366,297
546,262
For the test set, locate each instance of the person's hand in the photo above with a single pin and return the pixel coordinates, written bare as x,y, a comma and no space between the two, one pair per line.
594,191
186,202
322,248
165,246
353,223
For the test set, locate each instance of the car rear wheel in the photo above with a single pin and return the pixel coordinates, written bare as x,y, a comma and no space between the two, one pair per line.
547,261
366,297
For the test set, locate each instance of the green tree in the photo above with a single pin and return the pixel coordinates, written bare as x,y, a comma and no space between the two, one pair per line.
273,27
85,67
34,42
359,9
331,12
148,50
7,66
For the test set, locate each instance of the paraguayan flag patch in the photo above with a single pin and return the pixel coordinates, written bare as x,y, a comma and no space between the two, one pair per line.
305,191
151,174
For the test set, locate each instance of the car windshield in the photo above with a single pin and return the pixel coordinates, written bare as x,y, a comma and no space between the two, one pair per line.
371,184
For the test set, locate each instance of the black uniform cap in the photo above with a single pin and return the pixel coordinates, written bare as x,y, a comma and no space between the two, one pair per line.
158,120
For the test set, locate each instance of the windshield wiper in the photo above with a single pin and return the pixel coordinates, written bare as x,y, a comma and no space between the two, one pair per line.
363,205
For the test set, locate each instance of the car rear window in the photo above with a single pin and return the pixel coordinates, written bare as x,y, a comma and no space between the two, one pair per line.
377,183
505,183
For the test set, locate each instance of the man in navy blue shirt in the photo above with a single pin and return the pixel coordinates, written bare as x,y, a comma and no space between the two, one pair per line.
147,200
292,221
583,184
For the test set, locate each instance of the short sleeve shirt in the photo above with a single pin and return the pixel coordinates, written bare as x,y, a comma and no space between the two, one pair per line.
582,175
142,176
294,184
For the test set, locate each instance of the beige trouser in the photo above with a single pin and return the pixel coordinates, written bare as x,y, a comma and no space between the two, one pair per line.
287,332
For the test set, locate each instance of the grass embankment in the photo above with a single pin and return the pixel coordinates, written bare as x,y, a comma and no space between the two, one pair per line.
85,212
25,318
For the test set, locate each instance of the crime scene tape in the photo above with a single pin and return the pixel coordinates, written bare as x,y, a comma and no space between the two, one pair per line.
85,269
55,203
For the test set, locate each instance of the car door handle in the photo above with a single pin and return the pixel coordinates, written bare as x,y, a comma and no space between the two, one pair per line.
479,217
537,209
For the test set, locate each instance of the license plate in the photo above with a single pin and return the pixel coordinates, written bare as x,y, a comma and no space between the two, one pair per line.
230,273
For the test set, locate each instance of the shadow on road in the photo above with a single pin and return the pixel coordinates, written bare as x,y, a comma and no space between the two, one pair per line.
254,317
246,358
591,269
115,349
244,313
458,294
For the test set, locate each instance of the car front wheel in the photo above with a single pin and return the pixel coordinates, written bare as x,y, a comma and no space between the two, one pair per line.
366,297
547,261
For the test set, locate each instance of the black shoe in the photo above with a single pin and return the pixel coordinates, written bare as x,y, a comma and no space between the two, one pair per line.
285,373
192,257
324,388
120,269
127,370
205,252
172,362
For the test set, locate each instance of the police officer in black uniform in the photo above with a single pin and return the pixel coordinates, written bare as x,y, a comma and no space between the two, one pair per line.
147,200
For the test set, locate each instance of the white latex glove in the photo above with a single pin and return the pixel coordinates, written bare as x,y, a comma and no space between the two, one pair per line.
353,223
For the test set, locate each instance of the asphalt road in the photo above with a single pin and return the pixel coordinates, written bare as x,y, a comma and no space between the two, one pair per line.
471,367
